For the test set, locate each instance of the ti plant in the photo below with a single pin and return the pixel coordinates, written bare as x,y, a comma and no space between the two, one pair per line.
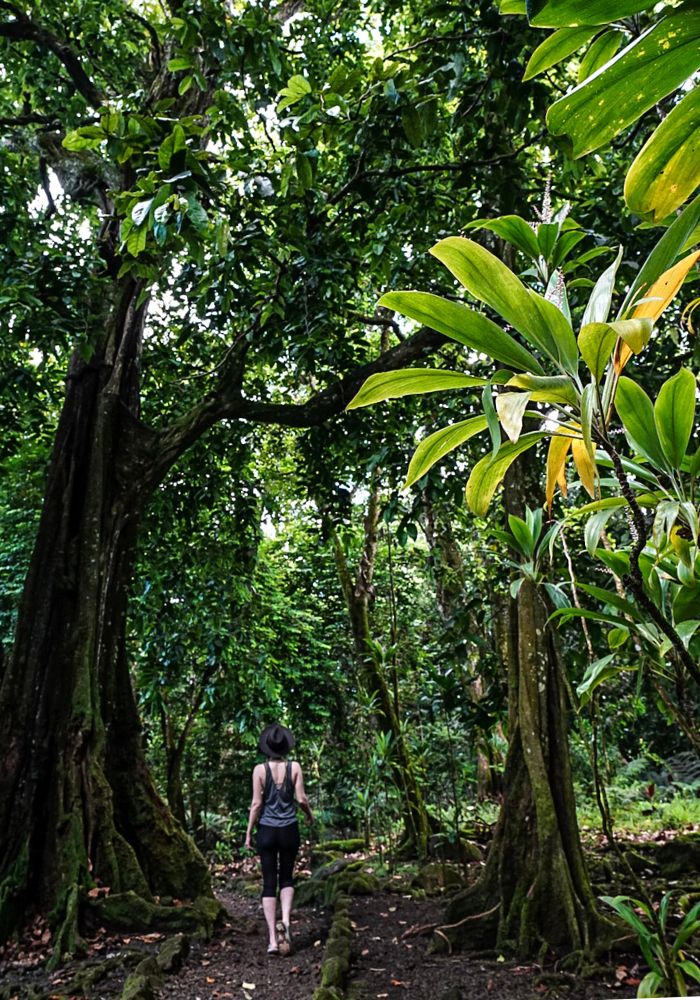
573,386
528,542
671,966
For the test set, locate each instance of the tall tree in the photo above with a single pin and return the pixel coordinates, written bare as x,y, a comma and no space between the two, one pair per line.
204,212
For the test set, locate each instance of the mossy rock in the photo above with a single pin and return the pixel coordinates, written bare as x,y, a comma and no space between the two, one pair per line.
679,856
129,912
320,858
346,846
250,889
356,883
335,867
338,947
138,988
434,877
333,971
308,892
172,953
327,993
340,928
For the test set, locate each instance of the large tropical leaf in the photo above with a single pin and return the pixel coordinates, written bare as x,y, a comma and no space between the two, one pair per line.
557,47
547,388
462,324
488,473
512,228
666,170
599,53
556,466
647,70
674,415
598,306
409,382
439,444
490,281
664,254
596,342
570,13
598,672
637,415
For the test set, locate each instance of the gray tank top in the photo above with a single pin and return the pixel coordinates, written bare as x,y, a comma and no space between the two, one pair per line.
278,800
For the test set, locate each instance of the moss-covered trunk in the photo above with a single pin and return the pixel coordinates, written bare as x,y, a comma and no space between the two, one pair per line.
77,803
534,892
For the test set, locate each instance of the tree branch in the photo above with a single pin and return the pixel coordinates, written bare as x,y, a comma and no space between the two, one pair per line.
393,172
23,29
227,402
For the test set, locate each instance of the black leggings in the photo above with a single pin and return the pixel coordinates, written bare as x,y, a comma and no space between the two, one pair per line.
277,847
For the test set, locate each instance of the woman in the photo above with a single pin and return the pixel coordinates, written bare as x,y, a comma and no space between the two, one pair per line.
276,784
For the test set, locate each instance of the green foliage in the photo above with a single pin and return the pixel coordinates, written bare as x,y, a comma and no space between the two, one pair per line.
614,90
670,967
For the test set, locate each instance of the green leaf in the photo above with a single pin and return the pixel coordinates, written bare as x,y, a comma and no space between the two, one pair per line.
86,137
547,388
439,444
513,229
297,88
305,174
617,562
512,7
637,415
196,213
596,342
650,68
410,382
599,53
571,13
690,969
490,470
650,985
664,253
613,599
491,417
490,281
522,535
666,170
597,673
674,415
179,63
598,306
558,46
595,526
460,323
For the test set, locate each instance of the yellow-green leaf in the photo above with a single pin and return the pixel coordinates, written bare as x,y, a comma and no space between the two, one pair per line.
488,473
599,53
439,444
410,382
460,323
666,170
596,342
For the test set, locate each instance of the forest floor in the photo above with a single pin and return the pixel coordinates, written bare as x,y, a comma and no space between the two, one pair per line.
389,956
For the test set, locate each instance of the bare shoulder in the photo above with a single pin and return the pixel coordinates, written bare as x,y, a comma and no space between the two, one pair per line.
296,768
259,771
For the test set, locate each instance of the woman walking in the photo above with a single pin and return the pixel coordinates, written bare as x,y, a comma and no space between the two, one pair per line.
276,785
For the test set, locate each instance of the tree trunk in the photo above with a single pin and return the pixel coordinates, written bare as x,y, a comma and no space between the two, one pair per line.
358,594
534,892
77,803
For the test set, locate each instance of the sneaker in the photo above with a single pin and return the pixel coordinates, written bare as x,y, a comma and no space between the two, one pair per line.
284,938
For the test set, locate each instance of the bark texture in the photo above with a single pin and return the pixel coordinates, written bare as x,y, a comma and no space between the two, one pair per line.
534,892
77,803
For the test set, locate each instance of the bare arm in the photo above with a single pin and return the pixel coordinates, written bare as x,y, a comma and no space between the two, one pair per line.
300,792
256,803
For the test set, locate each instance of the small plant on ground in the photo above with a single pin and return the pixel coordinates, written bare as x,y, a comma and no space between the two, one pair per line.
671,965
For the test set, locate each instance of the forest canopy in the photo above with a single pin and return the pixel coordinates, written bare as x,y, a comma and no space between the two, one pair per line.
348,380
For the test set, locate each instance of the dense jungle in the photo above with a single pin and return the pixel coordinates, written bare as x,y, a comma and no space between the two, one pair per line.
348,389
